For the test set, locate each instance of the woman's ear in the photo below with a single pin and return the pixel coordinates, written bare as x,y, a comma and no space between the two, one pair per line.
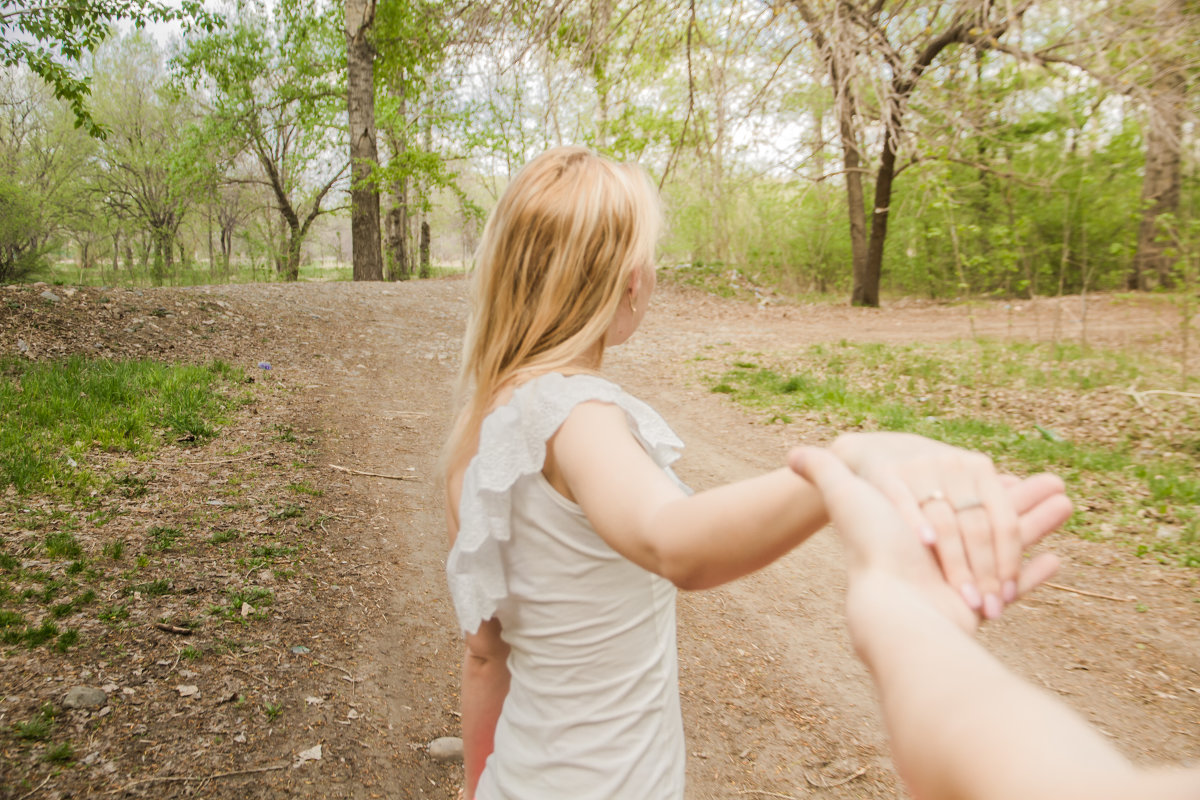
635,282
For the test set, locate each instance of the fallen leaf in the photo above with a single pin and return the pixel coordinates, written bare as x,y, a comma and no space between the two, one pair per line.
311,754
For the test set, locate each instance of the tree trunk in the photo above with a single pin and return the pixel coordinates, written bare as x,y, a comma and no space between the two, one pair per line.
212,263
364,155
1161,181
291,263
852,163
423,245
397,216
866,292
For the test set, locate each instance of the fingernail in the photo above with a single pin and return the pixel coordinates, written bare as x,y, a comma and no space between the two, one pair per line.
992,607
928,534
971,595
1009,591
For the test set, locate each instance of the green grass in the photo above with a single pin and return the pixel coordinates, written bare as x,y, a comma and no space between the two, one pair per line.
37,729
53,413
946,392
255,596
59,754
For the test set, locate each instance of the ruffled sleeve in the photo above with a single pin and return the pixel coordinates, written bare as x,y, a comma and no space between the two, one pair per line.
512,444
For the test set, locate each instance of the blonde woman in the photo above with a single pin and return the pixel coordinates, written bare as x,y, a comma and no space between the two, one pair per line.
570,533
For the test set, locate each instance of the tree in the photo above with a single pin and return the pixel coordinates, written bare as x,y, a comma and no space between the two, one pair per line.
875,52
364,155
49,36
272,92
1166,104
139,174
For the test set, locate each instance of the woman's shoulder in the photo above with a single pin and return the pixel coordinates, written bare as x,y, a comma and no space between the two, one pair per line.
536,408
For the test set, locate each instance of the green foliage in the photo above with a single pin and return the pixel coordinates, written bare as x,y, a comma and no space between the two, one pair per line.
59,754
37,729
53,413
49,38
19,232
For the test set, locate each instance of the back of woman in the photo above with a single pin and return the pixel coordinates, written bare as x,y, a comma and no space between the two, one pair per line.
592,709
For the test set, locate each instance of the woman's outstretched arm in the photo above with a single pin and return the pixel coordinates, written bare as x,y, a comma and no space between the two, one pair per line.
961,726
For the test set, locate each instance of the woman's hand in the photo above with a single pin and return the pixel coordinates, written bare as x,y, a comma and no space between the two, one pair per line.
877,540
956,502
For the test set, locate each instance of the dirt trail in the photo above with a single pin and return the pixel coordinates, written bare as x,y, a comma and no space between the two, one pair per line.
774,701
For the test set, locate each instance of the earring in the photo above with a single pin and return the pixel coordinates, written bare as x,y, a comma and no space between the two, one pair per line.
631,307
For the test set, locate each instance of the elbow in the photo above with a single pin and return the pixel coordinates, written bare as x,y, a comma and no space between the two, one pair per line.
688,574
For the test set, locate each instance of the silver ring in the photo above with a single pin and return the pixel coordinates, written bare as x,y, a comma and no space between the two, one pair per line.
967,505
936,494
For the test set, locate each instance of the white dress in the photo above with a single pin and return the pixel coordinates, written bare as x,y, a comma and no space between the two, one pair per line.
592,711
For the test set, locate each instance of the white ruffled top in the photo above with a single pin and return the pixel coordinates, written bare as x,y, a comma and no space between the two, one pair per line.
592,711
512,445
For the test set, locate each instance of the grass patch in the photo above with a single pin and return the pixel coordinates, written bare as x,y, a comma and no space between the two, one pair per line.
37,729
256,597
1012,401
162,538
53,413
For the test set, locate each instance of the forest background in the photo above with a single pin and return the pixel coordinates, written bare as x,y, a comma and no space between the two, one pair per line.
939,149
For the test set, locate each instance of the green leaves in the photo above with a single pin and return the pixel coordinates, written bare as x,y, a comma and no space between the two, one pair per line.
50,36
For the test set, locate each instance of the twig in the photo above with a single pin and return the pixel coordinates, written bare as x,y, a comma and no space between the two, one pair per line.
1085,593
162,626
262,678
768,794
35,789
349,674
1192,395
189,778
1139,397
830,784
374,474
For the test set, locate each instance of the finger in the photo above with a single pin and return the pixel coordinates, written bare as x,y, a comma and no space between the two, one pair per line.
950,548
1031,491
907,506
1037,571
1043,518
1004,539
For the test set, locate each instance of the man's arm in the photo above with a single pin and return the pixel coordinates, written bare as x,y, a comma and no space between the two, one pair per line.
961,726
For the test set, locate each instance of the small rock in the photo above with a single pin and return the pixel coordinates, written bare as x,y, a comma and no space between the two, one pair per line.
50,296
352,714
314,701
240,738
188,690
300,649
247,609
85,697
447,748
266,576
22,346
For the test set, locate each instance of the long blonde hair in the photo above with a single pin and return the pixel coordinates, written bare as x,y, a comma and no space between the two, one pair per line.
556,256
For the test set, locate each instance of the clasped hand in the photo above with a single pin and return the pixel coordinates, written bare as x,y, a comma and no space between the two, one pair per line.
975,520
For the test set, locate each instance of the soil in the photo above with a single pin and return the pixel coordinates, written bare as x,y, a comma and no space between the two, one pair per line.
357,650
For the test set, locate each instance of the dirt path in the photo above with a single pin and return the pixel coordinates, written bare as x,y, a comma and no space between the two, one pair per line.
774,701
